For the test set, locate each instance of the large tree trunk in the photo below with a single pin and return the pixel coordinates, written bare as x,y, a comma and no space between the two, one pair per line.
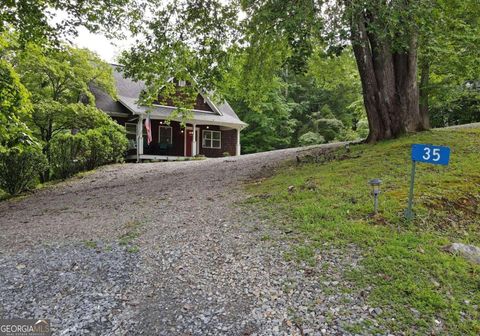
389,82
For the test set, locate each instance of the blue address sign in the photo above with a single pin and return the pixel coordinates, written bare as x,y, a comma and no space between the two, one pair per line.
431,154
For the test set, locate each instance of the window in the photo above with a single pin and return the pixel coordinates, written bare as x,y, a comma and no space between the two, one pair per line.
165,135
212,139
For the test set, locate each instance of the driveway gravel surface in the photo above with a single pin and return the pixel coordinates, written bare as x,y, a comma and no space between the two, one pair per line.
170,249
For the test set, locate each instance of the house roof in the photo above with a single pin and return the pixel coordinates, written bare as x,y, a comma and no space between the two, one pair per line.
106,103
128,92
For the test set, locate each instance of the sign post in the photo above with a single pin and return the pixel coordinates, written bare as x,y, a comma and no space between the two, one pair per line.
439,155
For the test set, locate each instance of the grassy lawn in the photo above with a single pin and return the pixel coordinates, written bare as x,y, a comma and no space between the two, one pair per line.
417,284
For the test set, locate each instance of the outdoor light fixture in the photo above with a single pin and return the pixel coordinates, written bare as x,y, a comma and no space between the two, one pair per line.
375,183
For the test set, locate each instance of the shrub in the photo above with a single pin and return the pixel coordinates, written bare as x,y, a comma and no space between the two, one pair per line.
67,154
20,167
87,150
311,138
329,128
118,140
99,148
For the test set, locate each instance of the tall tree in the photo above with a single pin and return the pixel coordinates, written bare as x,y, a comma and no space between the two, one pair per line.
60,81
384,40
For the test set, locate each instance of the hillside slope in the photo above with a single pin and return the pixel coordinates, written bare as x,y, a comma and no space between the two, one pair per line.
419,288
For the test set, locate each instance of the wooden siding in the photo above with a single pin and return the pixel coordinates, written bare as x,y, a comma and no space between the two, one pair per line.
229,142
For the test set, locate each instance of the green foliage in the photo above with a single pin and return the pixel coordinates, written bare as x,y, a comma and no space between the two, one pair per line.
311,138
450,62
68,154
87,150
63,74
328,128
330,89
267,130
101,148
267,113
306,44
409,275
14,105
118,140
464,108
337,85
57,79
19,167
32,18
60,82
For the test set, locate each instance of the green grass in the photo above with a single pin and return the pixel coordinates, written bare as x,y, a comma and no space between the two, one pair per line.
4,195
132,232
413,280
90,244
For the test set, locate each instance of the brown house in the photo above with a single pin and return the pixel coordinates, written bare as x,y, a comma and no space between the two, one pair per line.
212,129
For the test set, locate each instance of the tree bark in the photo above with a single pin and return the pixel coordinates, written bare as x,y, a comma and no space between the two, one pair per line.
389,82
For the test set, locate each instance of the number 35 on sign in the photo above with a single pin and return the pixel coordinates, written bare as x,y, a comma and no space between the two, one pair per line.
431,154
439,155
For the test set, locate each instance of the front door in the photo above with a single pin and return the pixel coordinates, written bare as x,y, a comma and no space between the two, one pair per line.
188,142
189,139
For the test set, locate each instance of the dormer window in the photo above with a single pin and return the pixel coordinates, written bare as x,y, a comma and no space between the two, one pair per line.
182,83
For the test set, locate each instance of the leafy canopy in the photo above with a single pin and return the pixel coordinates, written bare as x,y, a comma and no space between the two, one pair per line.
51,19
15,106
65,75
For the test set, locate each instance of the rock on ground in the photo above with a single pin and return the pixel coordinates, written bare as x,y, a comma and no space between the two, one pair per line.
469,252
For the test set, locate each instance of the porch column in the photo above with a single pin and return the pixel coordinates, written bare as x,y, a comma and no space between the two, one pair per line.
194,140
237,153
139,137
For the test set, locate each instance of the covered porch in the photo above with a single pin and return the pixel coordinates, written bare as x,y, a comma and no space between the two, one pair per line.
172,141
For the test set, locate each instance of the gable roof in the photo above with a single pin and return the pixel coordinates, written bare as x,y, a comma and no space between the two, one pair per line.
128,92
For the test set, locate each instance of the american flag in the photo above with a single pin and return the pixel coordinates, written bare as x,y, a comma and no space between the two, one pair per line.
148,127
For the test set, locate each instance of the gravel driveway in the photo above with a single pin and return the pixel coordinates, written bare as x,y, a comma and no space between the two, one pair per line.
168,249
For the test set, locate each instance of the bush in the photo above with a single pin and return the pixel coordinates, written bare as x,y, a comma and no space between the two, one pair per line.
87,150
311,138
68,154
118,140
106,144
329,128
20,167
99,148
